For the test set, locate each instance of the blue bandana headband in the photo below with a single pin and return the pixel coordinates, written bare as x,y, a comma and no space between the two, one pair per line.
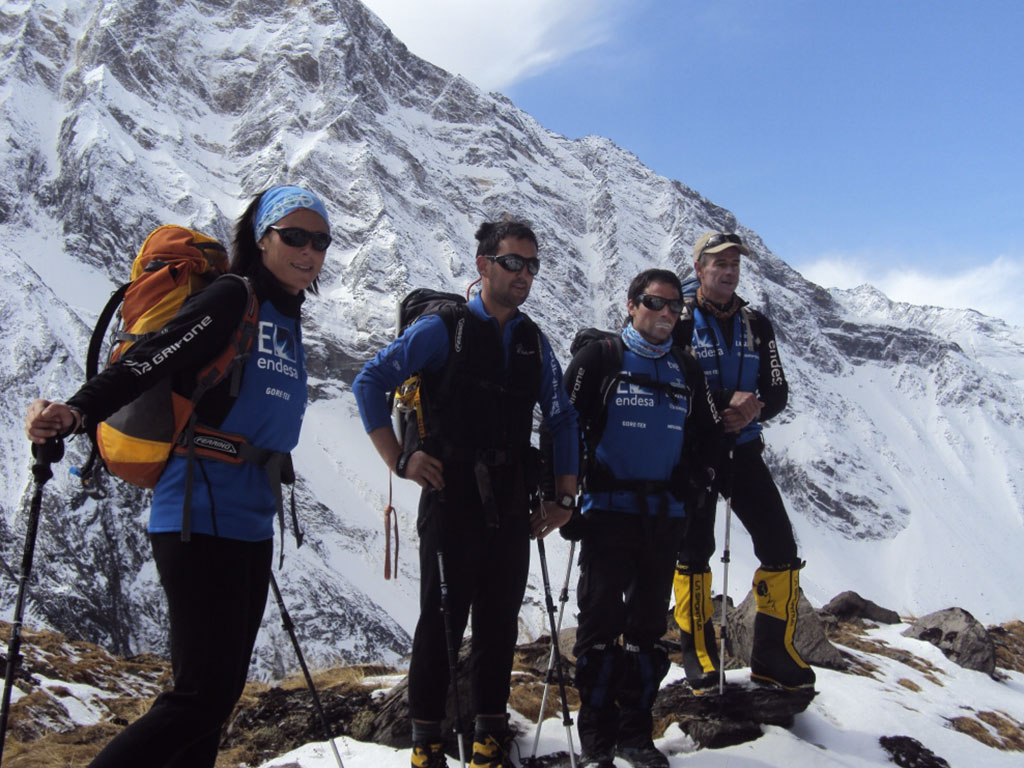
641,346
278,202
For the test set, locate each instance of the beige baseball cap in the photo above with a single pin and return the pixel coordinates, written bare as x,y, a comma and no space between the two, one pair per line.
713,242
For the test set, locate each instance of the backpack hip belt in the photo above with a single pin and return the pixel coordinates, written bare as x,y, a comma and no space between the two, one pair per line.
208,443
200,441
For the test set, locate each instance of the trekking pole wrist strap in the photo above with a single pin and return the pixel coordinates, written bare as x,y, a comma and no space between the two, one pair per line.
402,463
77,423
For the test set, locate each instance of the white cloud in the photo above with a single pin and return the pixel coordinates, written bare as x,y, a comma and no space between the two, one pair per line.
993,288
494,44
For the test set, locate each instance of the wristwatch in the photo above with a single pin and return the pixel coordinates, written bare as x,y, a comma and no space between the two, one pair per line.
566,501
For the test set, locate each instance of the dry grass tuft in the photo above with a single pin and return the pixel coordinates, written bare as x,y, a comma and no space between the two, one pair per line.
852,634
327,678
60,750
1010,731
1009,641
975,729
910,685
526,697
858,665
993,729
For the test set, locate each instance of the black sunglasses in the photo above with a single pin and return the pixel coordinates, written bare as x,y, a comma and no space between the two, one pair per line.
657,303
297,237
721,237
513,262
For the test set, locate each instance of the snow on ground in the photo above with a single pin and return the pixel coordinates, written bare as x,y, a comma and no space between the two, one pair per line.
840,729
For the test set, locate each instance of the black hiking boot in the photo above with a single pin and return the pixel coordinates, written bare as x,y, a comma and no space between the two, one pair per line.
597,729
645,756
597,760
706,685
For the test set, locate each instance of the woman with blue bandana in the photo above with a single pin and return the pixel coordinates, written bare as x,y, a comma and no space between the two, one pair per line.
216,582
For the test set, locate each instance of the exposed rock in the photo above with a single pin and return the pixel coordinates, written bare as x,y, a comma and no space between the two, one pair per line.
907,752
959,636
279,719
721,721
849,605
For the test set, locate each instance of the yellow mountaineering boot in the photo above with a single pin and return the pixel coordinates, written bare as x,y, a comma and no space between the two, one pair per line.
773,657
693,613
491,751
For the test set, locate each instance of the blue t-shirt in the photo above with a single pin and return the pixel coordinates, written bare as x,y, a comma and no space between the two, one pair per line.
236,501
643,435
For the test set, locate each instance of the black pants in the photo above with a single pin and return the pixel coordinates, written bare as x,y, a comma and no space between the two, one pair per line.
486,568
216,592
626,567
757,504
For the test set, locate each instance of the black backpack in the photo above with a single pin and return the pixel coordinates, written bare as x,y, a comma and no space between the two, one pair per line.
407,397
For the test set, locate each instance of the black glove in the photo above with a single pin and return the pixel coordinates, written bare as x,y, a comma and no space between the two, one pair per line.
577,526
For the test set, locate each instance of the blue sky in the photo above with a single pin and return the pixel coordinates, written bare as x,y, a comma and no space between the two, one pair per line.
865,141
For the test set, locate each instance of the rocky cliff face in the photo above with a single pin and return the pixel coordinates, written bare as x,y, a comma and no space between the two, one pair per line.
904,432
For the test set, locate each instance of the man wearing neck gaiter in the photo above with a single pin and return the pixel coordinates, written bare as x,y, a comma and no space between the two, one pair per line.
644,410
735,346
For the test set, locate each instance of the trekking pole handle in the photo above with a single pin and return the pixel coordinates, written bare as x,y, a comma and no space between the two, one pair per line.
45,454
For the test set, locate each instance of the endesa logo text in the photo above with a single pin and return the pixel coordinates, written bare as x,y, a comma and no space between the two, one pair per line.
278,350
629,394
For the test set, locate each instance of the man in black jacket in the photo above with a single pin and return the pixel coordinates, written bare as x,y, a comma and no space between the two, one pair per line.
736,347
483,366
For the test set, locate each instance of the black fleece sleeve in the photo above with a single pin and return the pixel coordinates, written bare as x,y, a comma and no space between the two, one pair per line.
705,440
771,381
583,383
193,338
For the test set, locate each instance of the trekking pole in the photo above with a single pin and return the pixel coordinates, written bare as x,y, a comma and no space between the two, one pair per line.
44,454
289,626
563,598
449,641
555,659
725,580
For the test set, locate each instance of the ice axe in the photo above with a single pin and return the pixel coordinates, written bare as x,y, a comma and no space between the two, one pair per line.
44,454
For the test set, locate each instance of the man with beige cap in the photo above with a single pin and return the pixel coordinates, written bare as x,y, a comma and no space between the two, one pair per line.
735,346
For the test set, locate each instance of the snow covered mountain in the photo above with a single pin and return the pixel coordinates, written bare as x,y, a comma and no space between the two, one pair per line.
900,455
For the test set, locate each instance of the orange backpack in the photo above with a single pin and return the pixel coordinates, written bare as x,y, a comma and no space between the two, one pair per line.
173,263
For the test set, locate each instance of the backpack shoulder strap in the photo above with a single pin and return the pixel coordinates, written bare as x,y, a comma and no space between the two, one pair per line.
87,472
92,356
682,334
611,350
230,361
